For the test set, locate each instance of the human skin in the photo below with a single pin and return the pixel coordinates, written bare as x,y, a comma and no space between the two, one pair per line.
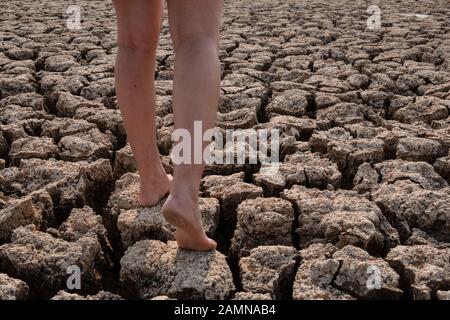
194,29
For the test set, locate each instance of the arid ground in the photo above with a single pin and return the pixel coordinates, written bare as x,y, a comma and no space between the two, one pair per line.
360,207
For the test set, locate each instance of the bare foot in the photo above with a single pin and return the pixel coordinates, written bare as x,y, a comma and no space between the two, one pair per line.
184,214
151,190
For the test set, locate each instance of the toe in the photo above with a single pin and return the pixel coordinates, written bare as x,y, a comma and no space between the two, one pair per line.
212,242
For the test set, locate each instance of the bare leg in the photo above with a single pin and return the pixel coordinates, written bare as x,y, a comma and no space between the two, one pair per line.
194,27
139,23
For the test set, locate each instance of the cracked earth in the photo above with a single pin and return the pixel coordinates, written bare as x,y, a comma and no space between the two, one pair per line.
360,208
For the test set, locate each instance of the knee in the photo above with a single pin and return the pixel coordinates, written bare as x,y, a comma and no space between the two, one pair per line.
194,40
139,41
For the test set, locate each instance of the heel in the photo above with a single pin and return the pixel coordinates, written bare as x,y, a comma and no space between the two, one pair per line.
174,219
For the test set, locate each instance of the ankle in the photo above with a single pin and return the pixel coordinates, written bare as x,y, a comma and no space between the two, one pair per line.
181,204
158,174
185,192
149,179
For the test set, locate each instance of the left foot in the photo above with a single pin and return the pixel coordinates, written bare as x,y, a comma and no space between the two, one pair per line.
151,190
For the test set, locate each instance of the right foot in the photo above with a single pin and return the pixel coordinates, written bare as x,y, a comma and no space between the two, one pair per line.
184,215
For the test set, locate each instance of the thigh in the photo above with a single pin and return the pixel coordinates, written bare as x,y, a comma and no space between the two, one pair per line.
194,18
138,22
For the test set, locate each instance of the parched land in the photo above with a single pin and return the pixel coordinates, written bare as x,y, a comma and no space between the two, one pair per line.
360,207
